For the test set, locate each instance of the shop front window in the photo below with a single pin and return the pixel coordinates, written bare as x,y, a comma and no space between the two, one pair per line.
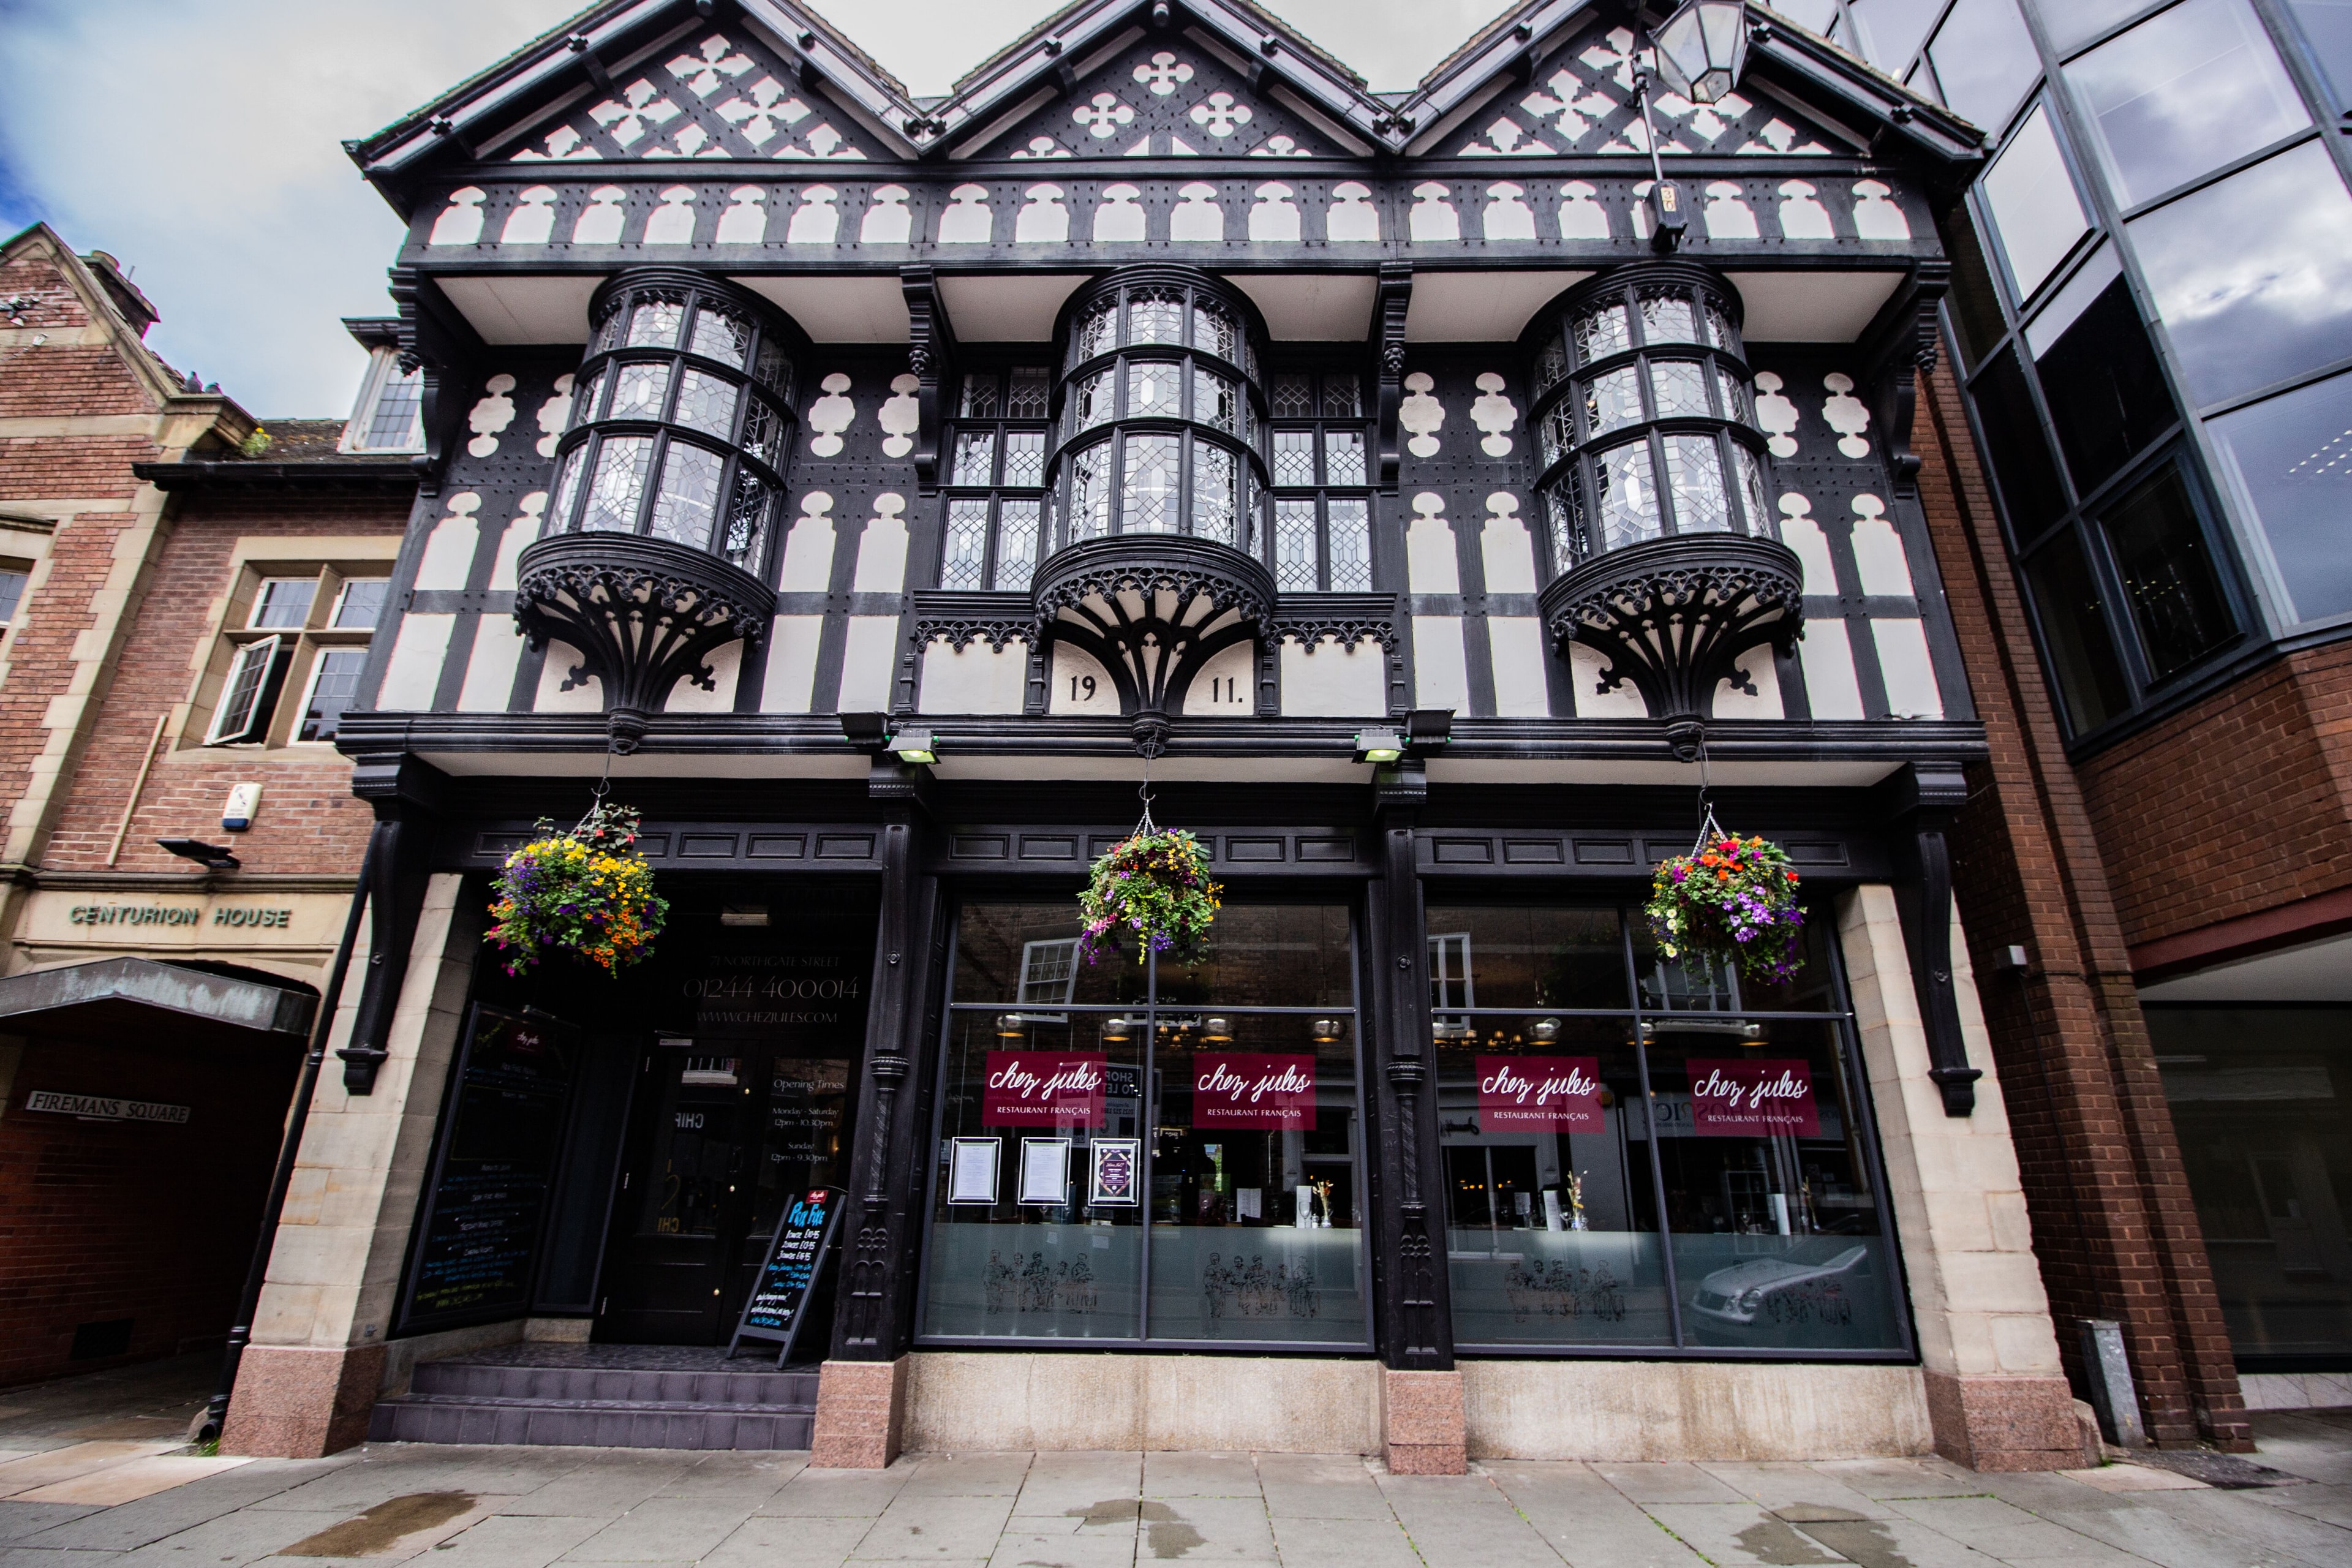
2258,1094
1643,1154
1149,1153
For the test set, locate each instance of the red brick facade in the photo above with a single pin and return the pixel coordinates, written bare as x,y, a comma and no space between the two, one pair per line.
2115,1230
105,1221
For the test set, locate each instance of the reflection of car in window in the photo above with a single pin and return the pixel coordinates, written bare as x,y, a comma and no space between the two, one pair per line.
1781,1288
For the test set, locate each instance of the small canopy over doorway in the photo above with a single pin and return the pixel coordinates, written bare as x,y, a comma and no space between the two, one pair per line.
112,999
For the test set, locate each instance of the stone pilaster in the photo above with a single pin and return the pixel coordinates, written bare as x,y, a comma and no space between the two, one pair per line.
1997,1395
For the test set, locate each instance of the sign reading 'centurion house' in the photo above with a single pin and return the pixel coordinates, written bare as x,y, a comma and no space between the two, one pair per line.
892,481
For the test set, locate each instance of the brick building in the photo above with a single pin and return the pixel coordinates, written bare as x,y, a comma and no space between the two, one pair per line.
2147,570
188,597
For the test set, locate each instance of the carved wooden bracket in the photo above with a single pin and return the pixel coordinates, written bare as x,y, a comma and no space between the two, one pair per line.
1396,294
931,356
1901,345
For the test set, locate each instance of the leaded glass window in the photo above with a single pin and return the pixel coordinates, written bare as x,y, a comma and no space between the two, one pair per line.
1147,486
1644,423
706,402
996,468
688,499
1296,556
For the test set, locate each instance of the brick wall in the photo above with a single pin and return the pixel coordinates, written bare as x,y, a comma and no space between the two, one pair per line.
310,822
101,1221
2241,803
2114,1226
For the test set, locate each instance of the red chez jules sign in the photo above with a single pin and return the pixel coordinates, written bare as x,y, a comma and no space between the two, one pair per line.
1043,1088
1236,1088
1751,1098
1540,1094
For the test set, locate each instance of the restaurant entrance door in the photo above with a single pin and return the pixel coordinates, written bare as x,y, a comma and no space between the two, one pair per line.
728,1125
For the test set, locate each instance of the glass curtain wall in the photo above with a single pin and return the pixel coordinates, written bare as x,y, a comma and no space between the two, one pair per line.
2152,299
1163,1152
1640,1155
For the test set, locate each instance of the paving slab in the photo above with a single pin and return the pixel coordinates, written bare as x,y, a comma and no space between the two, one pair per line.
917,1528
19,1519
1320,1486
167,1513
664,1527
1020,1549
2134,1479
1891,1542
1199,1475
752,1477
1669,1482
1588,1522
609,1483
1738,1532
72,1462
246,1535
1061,1485
766,1541
967,1475
133,1479
514,1540
1204,1530
838,1494
1783,1487
1889,1479
1465,1519
1343,1543
2329,1504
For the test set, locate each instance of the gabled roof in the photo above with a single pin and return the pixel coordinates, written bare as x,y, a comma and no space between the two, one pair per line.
1074,41
620,51
1784,62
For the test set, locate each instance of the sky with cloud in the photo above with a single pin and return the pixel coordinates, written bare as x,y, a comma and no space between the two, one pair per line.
199,142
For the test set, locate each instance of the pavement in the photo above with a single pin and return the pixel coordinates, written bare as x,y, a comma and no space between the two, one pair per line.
72,1497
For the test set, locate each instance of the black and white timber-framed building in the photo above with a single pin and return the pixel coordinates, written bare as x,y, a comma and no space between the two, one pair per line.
1373,470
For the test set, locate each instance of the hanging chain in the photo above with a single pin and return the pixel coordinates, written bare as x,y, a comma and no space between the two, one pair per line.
596,796
1145,828
1708,825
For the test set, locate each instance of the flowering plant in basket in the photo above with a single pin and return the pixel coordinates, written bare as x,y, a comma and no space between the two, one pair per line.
586,891
1153,890
1729,898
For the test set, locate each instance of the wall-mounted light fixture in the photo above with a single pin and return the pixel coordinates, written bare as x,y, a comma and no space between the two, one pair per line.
1378,745
211,856
1329,1031
1216,1030
1014,1026
915,745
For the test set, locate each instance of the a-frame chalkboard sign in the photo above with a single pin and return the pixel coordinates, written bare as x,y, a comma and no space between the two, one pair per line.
790,1270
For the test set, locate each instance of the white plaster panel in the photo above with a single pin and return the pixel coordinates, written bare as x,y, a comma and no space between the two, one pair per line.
587,697
870,658
448,556
1826,654
490,668
1517,642
1226,687
1441,667
1878,554
808,548
725,667
1430,564
1328,681
519,536
790,682
1586,666
1757,665
1079,683
1508,549
414,670
975,679
882,549
1903,664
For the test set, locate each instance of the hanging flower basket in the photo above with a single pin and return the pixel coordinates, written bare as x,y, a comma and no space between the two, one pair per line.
1152,890
586,891
1730,900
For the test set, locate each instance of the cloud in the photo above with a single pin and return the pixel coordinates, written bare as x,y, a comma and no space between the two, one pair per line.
200,142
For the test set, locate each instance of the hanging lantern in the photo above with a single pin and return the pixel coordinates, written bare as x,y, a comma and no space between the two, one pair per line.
1703,48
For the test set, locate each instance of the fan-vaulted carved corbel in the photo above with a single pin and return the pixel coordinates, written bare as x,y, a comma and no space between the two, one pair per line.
1900,346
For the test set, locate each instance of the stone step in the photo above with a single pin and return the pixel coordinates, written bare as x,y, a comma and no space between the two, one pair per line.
427,1417
480,1379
